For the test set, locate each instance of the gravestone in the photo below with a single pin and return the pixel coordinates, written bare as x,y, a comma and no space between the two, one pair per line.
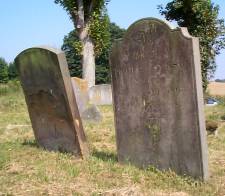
88,112
80,88
158,99
49,95
101,94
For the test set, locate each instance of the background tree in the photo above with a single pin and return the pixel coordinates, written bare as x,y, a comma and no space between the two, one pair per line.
201,19
90,20
3,71
102,61
12,71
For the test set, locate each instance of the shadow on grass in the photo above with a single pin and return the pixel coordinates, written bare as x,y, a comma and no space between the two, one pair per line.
31,143
102,155
105,156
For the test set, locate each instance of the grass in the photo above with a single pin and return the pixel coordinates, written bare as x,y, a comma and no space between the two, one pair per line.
26,169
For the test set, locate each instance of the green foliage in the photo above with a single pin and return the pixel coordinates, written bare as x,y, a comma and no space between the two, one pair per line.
102,61
12,71
99,31
116,32
71,7
73,57
201,19
10,87
102,68
95,20
3,71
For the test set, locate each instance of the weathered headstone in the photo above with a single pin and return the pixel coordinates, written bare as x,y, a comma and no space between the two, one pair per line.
80,88
158,99
88,111
100,94
55,118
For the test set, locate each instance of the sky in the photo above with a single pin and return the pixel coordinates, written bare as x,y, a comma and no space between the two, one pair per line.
28,23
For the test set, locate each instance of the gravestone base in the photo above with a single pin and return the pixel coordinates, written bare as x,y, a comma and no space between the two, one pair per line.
92,114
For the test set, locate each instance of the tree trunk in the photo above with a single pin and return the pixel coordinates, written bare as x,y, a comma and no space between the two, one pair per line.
88,55
88,62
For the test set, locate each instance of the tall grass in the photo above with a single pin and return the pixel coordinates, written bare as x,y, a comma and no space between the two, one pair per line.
12,86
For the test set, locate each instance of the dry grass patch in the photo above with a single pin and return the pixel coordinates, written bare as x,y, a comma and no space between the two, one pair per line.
26,169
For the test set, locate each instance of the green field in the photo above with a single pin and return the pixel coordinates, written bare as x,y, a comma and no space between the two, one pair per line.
26,169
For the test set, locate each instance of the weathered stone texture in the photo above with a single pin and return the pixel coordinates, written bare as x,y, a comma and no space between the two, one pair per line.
80,88
55,118
101,94
158,99
92,114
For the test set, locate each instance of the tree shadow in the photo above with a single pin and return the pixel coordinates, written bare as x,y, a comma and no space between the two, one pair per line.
105,156
102,155
33,143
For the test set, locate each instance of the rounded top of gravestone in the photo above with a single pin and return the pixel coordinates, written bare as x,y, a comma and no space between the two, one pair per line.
163,23
42,47
150,19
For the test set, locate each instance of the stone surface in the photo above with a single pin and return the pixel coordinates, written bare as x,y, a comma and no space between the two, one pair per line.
101,94
80,88
88,112
54,115
158,99
92,113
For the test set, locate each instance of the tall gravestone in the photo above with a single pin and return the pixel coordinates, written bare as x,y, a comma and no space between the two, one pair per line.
158,99
52,107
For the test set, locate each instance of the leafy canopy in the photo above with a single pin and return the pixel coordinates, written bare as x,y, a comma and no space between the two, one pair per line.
94,18
102,61
89,7
3,71
201,19
12,71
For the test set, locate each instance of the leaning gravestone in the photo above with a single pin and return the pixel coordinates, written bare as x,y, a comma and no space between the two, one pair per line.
158,99
52,107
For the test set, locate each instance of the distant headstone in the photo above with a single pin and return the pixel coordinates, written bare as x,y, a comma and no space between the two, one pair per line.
55,118
158,99
80,88
100,94
88,111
